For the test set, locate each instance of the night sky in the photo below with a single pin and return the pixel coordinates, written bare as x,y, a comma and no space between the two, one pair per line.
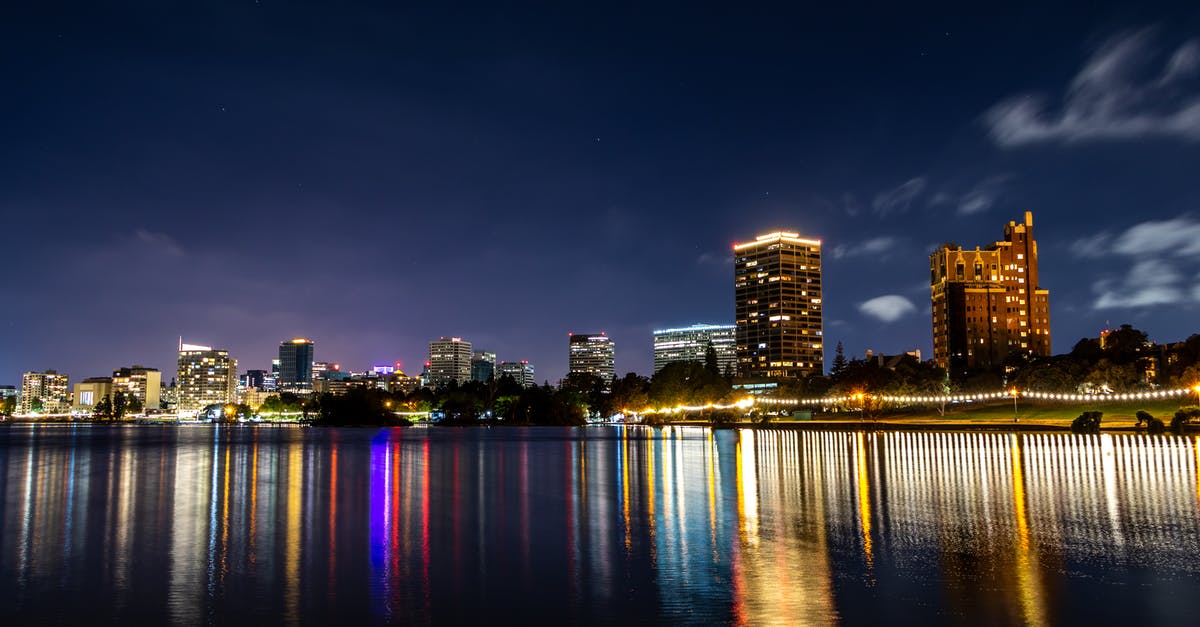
374,177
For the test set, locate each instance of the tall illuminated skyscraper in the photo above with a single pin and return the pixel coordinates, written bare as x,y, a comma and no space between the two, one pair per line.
592,353
449,361
206,377
296,365
777,296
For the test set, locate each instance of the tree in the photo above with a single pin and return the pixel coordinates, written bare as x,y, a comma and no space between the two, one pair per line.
1125,345
8,405
710,360
839,360
119,404
135,405
36,405
102,409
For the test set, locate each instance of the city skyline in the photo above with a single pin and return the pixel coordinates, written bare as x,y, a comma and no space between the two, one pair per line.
371,138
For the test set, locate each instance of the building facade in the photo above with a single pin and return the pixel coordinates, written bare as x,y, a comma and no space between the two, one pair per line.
988,304
45,392
483,366
691,344
141,382
449,361
296,365
592,353
777,306
89,392
520,371
205,377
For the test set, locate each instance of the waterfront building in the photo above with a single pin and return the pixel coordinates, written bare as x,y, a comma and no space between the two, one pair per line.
777,306
449,361
89,392
402,383
691,344
988,304
141,382
592,353
483,366
256,379
520,371
252,397
205,376
47,392
296,365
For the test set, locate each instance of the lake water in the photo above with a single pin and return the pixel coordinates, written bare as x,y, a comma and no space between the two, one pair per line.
202,524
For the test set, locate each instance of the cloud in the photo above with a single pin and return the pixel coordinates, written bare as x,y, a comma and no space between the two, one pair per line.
1115,96
981,197
900,198
1093,246
158,242
1179,237
875,246
1149,282
888,308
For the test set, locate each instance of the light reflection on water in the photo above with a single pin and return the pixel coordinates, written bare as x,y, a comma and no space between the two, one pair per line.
245,524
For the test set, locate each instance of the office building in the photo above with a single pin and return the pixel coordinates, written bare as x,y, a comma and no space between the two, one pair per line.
449,361
141,382
777,306
296,365
206,376
691,344
483,366
592,353
255,379
988,304
45,393
520,371
89,392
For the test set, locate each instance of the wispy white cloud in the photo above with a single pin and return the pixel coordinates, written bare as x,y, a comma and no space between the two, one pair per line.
983,195
1116,95
158,242
876,246
1149,282
887,308
1093,246
1179,237
899,198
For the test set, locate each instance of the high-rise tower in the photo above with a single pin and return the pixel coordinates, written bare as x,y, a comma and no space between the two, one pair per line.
777,295
988,304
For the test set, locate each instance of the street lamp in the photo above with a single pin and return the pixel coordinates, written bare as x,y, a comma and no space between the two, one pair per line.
1014,395
861,398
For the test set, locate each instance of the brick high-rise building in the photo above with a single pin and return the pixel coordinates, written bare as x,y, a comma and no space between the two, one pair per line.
777,296
988,304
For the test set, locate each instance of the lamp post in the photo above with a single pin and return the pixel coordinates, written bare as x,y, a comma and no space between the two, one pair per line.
1014,395
862,403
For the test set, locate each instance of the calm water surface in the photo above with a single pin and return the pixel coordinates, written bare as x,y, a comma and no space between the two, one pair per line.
199,524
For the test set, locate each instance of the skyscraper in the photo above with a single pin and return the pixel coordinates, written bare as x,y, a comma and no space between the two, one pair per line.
520,371
296,365
449,361
205,377
592,353
483,366
988,304
777,296
691,344
44,392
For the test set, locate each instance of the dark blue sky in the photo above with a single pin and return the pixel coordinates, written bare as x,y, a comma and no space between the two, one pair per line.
372,177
